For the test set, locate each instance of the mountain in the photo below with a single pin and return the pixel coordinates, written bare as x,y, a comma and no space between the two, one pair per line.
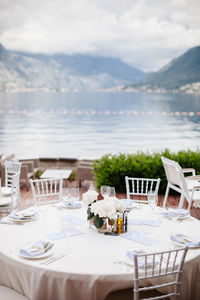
181,71
60,72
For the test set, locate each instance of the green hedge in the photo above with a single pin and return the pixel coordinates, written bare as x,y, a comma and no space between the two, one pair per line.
112,169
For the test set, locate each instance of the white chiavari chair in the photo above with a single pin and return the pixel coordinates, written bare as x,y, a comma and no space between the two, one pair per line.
11,168
46,191
8,203
137,189
162,270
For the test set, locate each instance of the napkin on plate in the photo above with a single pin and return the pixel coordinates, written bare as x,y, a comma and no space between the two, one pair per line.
154,223
141,260
128,203
139,238
61,234
37,248
185,240
71,204
73,219
183,213
23,214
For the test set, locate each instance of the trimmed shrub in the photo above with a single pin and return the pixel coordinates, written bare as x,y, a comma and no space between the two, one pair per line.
112,169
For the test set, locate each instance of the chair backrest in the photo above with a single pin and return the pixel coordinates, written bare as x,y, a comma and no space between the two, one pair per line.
11,168
46,190
175,176
163,269
172,169
15,192
141,187
14,198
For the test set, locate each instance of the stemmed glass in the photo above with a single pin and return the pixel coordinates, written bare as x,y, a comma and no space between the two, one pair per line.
75,194
105,190
174,212
112,192
152,199
66,194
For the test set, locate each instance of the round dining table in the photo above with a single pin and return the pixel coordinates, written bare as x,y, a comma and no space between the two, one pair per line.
92,264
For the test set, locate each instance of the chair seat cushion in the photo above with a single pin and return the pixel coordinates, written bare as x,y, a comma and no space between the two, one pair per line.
5,201
9,294
6,191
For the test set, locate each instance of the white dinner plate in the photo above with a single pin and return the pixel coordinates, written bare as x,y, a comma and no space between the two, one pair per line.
66,205
24,220
43,255
183,244
166,214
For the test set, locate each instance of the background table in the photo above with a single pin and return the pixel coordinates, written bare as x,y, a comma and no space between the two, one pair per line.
51,173
88,271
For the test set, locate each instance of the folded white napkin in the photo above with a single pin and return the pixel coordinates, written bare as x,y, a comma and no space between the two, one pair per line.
139,238
141,260
23,214
37,248
71,204
73,219
185,240
150,222
182,213
128,203
61,234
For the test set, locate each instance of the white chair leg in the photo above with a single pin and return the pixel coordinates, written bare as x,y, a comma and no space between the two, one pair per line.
166,196
181,201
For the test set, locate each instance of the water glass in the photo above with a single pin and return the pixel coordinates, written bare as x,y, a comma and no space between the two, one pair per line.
152,199
112,192
105,190
75,194
66,194
174,212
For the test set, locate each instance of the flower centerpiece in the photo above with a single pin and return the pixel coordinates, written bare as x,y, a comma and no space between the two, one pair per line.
101,213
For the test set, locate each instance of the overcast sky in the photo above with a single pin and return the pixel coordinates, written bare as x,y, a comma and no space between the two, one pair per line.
144,33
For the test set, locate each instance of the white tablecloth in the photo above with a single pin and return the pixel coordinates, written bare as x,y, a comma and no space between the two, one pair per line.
88,272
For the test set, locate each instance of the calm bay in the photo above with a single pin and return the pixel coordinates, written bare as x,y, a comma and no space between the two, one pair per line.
88,125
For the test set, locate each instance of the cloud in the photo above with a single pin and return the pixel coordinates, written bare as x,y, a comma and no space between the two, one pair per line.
146,34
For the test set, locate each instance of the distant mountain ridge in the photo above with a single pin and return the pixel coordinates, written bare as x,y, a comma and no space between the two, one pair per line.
60,72
181,71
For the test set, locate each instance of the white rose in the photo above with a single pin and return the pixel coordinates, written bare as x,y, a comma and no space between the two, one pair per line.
89,197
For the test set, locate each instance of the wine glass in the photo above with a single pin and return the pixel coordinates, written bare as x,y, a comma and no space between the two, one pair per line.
112,192
75,194
105,190
152,199
174,212
66,194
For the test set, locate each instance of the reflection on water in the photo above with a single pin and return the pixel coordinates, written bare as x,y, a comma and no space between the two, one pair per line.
90,125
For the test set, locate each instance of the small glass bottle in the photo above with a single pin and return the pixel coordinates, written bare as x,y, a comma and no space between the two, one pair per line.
120,223
125,219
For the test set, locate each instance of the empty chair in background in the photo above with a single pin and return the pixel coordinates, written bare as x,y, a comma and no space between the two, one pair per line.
8,203
137,189
46,190
10,168
179,183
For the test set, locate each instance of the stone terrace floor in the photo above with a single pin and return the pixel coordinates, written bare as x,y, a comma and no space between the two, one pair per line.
27,200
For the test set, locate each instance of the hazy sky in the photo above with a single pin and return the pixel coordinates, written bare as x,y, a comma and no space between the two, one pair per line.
144,33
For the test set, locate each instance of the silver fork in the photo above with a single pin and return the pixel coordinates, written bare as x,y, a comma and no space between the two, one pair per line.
52,259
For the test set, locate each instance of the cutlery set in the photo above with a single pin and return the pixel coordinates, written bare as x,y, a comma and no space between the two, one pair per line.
53,259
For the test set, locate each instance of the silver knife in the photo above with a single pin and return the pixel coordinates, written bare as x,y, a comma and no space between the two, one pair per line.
9,223
50,260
